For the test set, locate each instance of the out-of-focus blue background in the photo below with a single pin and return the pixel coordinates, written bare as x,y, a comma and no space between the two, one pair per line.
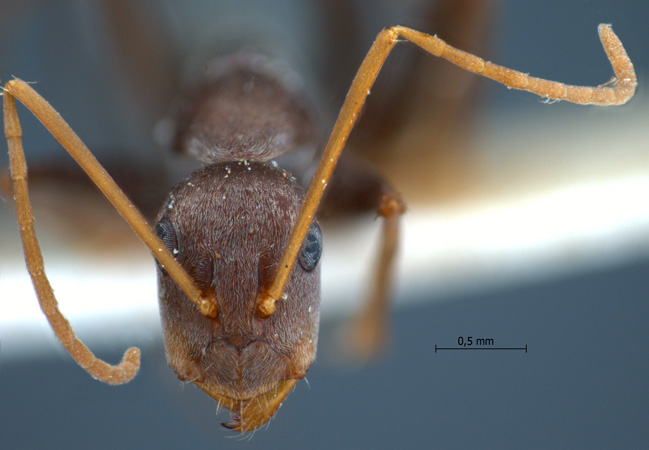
583,381
582,384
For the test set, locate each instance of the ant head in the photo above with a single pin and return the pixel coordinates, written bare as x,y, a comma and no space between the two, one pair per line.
227,224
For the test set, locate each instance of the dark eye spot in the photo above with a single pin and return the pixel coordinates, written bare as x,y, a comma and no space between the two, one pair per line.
311,249
167,234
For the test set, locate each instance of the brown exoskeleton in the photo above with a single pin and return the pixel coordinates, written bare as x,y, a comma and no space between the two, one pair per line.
240,317
228,224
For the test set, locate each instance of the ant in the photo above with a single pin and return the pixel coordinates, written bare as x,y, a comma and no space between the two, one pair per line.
240,317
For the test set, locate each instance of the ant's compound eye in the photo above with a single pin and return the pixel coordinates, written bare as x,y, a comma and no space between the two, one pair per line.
311,249
167,234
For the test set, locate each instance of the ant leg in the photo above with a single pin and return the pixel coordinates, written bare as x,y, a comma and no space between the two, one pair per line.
356,187
616,93
369,330
127,369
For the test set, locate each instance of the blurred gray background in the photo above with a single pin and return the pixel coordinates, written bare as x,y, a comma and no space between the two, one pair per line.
583,381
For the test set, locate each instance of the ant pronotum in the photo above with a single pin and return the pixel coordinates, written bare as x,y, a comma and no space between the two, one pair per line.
240,318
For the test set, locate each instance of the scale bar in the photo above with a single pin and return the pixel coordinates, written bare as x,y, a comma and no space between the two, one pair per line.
480,348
